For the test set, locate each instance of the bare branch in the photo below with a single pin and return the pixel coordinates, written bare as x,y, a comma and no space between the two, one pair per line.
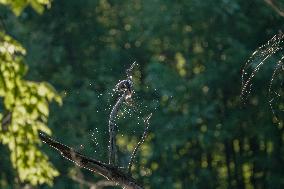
112,130
107,171
124,86
113,174
103,183
129,71
257,60
98,185
133,155
272,4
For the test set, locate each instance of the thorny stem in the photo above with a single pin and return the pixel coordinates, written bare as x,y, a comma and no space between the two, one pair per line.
112,130
133,155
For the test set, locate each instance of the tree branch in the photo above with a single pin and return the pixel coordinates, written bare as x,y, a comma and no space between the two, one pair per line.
108,171
129,71
112,130
124,86
272,4
98,185
111,172
134,153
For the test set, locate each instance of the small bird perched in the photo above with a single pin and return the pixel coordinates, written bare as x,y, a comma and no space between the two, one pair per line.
125,86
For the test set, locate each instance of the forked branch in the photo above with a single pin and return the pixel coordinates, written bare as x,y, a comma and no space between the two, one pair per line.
125,87
109,172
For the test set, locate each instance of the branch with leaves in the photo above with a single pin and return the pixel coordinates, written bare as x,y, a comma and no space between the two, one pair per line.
110,170
25,112
126,88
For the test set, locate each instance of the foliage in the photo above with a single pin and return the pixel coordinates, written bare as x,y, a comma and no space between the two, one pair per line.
17,6
28,103
25,109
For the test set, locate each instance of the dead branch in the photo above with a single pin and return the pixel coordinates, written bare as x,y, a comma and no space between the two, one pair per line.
98,185
273,5
112,130
124,86
107,171
133,155
110,171
129,70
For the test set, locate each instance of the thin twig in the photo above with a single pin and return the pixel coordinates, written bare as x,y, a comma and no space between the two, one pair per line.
98,185
124,86
112,130
272,4
133,155
129,71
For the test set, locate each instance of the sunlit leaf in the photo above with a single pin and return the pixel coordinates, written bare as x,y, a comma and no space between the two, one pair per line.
28,103
43,108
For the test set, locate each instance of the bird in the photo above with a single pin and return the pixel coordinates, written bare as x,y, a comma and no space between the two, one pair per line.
126,86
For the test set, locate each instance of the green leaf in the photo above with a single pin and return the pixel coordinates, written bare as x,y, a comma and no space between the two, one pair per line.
43,108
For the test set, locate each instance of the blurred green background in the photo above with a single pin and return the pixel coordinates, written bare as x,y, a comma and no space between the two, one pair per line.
190,55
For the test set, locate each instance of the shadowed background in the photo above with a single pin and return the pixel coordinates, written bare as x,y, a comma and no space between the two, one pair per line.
190,55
